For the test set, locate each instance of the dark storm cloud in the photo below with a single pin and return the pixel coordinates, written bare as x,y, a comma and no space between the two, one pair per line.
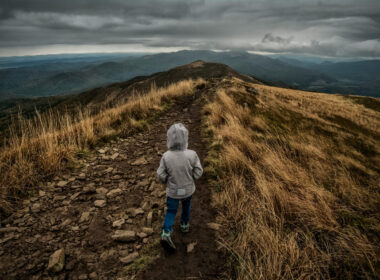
332,28
276,39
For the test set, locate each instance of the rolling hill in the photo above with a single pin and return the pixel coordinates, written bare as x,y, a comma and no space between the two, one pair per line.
356,77
45,80
65,75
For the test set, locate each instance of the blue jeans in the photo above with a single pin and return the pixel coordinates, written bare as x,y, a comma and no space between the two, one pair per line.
171,212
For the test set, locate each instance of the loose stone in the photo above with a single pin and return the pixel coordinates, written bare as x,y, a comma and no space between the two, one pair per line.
100,203
57,261
129,258
62,183
124,236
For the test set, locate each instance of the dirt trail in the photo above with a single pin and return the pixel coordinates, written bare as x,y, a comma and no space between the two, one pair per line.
204,262
115,189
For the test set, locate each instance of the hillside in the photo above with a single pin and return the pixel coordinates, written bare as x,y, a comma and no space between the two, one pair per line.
290,190
99,98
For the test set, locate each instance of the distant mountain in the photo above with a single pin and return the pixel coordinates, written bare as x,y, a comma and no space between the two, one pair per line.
352,77
49,75
367,70
65,78
40,80
85,59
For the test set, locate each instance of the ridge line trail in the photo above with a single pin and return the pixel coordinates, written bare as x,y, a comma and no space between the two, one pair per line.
205,261
79,211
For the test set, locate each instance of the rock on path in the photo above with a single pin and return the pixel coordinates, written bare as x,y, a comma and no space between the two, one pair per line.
57,261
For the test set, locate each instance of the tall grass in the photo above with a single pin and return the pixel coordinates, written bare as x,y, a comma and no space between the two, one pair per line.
40,147
297,196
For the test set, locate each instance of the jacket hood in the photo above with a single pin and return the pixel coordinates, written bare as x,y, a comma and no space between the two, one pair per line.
178,137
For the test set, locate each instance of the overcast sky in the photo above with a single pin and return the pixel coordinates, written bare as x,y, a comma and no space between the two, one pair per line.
337,28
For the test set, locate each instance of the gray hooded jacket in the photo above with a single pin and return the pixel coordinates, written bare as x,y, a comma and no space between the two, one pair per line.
179,167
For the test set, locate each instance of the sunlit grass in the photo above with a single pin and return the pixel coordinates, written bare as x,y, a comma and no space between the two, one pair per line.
40,147
296,182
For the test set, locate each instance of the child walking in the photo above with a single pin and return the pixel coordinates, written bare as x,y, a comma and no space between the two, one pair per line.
179,168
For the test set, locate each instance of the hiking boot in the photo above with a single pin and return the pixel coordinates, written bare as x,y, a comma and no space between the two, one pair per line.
185,227
166,242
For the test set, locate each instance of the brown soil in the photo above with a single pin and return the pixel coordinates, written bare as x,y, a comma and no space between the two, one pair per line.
205,262
51,220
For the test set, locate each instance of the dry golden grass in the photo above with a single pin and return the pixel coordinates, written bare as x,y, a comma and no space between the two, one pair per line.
319,106
297,182
40,147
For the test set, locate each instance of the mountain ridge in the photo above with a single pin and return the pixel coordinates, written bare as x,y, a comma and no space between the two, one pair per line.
105,96
262,67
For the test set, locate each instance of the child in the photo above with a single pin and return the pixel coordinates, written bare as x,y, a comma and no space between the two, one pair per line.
179,167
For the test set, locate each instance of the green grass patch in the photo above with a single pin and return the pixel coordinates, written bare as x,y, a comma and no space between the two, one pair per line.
83,153
148,255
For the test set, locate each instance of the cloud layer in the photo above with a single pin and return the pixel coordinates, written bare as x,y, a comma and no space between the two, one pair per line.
338,28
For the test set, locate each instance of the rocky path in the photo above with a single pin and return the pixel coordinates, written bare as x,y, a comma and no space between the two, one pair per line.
104,220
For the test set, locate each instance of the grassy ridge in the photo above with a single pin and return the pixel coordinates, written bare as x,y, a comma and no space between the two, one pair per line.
297,182
42,146
296,174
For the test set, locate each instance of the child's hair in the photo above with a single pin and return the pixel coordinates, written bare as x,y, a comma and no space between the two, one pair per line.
177,137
